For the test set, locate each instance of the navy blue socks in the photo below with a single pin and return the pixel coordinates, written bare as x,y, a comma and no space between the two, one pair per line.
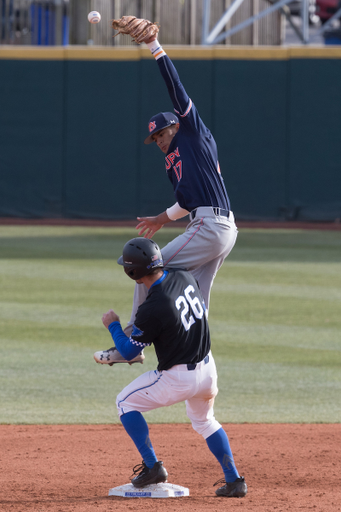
219,445
137,428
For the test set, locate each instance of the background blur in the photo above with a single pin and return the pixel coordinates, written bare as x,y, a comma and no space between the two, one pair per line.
65,21
75,103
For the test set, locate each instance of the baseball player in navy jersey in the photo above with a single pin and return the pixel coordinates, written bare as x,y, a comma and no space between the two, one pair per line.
192,165
173,319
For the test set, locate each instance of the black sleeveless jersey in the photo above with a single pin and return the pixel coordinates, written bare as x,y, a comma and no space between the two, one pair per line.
173,318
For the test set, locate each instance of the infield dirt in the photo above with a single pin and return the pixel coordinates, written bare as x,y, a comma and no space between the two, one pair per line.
59,468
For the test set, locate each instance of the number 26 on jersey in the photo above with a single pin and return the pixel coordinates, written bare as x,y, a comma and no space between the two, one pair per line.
184,303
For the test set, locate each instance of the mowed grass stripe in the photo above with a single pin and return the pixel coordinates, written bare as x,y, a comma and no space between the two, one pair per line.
274,317
283,291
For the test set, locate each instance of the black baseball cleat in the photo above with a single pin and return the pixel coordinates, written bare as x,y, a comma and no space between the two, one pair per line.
145,476
236,489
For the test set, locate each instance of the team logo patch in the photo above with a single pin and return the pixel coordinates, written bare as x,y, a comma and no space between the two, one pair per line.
155,257
136,331
152,126
156,261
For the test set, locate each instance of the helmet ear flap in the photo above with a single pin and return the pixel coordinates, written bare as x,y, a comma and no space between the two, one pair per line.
135,272
131,272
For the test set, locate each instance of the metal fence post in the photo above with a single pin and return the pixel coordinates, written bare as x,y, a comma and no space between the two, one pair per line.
305,20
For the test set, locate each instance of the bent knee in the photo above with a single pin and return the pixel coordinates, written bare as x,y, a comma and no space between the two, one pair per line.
121,404
207,428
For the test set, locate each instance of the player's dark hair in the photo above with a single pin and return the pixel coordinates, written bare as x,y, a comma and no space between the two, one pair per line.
154,271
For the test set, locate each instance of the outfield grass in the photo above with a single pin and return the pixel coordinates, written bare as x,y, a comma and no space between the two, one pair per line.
275,321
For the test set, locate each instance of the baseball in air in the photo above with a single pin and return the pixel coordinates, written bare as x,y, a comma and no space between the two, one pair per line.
94,17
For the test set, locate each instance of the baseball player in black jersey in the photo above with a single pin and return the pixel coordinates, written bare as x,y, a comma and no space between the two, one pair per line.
173,319
192,165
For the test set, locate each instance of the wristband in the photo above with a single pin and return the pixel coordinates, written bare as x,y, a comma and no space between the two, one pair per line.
156,49
176,212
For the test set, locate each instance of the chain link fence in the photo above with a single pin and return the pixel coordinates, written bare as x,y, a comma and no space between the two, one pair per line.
63,22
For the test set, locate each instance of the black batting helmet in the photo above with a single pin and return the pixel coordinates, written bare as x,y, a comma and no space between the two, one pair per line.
140,257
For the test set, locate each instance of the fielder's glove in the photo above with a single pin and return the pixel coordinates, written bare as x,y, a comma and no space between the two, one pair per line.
138,28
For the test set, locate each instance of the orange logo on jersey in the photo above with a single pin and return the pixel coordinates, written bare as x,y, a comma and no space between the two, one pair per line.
171,157
218,168
152,126
178,170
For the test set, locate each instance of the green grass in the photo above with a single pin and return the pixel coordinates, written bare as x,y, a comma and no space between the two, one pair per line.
275,319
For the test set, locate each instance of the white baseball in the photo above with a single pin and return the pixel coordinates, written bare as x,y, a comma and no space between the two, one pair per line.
94,17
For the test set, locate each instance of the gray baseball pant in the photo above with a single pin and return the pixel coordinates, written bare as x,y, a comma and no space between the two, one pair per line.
202,249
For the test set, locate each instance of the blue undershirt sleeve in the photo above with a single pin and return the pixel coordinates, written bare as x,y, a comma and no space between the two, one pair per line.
122,342
178,95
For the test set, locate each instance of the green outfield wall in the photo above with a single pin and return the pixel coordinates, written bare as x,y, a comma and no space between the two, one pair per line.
73,120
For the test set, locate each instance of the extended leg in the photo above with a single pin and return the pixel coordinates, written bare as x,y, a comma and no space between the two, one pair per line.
137,428
140,294
151,471
201,249
219,445
200,411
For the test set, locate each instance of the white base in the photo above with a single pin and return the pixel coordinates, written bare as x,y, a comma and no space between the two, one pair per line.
163,490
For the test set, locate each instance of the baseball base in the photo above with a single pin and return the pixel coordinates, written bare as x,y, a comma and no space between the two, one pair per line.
163,490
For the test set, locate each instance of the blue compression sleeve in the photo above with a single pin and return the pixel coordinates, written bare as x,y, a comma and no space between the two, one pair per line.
178,95
122,342
137,428
219,445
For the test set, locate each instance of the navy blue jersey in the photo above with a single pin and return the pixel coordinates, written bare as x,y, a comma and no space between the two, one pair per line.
192,160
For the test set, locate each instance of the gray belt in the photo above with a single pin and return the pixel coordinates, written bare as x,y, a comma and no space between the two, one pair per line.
216,210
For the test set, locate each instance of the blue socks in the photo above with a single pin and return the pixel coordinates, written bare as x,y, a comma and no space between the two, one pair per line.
219,445
137,428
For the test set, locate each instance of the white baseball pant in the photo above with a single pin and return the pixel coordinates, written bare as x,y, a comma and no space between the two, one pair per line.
197,388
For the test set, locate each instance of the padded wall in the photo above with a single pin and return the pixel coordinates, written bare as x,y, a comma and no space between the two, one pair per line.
73,123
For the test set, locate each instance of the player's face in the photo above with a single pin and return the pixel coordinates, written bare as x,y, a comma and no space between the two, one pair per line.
164,137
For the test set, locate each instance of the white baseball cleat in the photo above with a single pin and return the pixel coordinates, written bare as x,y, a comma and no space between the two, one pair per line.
112,356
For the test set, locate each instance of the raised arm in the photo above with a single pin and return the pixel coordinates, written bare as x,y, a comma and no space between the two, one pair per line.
142,30
176,90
